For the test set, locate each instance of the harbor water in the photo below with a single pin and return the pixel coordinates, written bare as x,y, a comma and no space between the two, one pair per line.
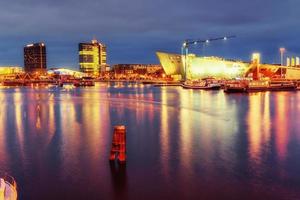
181,143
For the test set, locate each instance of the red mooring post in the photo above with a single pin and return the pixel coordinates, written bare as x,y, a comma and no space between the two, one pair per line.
118,147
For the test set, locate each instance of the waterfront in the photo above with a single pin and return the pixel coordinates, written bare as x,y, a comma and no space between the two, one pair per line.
181,144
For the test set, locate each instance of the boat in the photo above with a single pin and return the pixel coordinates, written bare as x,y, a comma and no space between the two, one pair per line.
84,82
235,87
203,85
13,83
282,86
167,84
257,86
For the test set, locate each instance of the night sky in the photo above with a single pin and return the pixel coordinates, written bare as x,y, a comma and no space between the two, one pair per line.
134,29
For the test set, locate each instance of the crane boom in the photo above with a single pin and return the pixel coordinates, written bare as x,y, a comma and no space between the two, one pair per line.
187,42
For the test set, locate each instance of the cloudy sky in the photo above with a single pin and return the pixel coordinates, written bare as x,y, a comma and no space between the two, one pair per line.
134,29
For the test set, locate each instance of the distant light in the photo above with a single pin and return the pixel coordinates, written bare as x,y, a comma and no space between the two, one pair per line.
94,41
256,57
195,42
29,45
225,38
184,44
207,41
282,49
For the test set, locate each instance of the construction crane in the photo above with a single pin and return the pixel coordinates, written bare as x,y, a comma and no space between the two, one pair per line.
188,42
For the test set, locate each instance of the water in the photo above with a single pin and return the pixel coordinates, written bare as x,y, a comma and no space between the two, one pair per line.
181,144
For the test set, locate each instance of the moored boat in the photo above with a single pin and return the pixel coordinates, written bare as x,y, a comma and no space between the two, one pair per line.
202,85
235,87
257,86
282,86
173,83
84,83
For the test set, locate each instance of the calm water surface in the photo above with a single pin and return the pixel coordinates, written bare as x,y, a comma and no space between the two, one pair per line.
181,144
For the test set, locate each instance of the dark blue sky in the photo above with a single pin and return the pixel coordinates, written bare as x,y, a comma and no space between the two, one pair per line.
134,29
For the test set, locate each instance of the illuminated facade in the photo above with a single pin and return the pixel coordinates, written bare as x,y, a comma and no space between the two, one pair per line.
35,58
64,71
172,63
92,57
193,67
136,68
203,67
9,70
137,71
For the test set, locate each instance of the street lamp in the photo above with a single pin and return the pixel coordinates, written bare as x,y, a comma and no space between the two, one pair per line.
282,51
185,51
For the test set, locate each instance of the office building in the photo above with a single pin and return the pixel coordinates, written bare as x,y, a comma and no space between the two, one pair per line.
92,57
35,58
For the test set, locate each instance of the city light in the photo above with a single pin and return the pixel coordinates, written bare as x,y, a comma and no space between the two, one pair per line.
149,100
282,51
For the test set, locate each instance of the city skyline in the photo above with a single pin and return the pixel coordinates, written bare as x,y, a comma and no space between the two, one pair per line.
134,31
160,99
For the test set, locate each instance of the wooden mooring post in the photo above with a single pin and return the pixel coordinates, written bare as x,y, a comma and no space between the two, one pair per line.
118,147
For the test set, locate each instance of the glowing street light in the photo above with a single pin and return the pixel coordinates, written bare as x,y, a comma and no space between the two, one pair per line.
282,51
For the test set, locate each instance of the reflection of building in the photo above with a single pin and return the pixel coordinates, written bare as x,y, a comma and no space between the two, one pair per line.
137,69
194,67
92,57
35,58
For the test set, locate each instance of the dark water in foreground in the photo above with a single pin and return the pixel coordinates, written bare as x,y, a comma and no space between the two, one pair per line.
181,144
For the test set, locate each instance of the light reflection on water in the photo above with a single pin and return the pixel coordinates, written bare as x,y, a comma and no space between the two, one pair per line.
181,143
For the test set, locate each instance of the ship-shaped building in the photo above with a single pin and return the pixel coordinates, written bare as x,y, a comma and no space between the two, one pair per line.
193,67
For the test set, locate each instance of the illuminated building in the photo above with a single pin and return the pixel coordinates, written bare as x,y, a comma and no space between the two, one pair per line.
66,72
201,67
172,63
137,69
215,67
92,57
10,70
293,61
35,58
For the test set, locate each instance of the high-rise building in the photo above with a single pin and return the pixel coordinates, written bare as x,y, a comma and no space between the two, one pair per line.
35,58
92,57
